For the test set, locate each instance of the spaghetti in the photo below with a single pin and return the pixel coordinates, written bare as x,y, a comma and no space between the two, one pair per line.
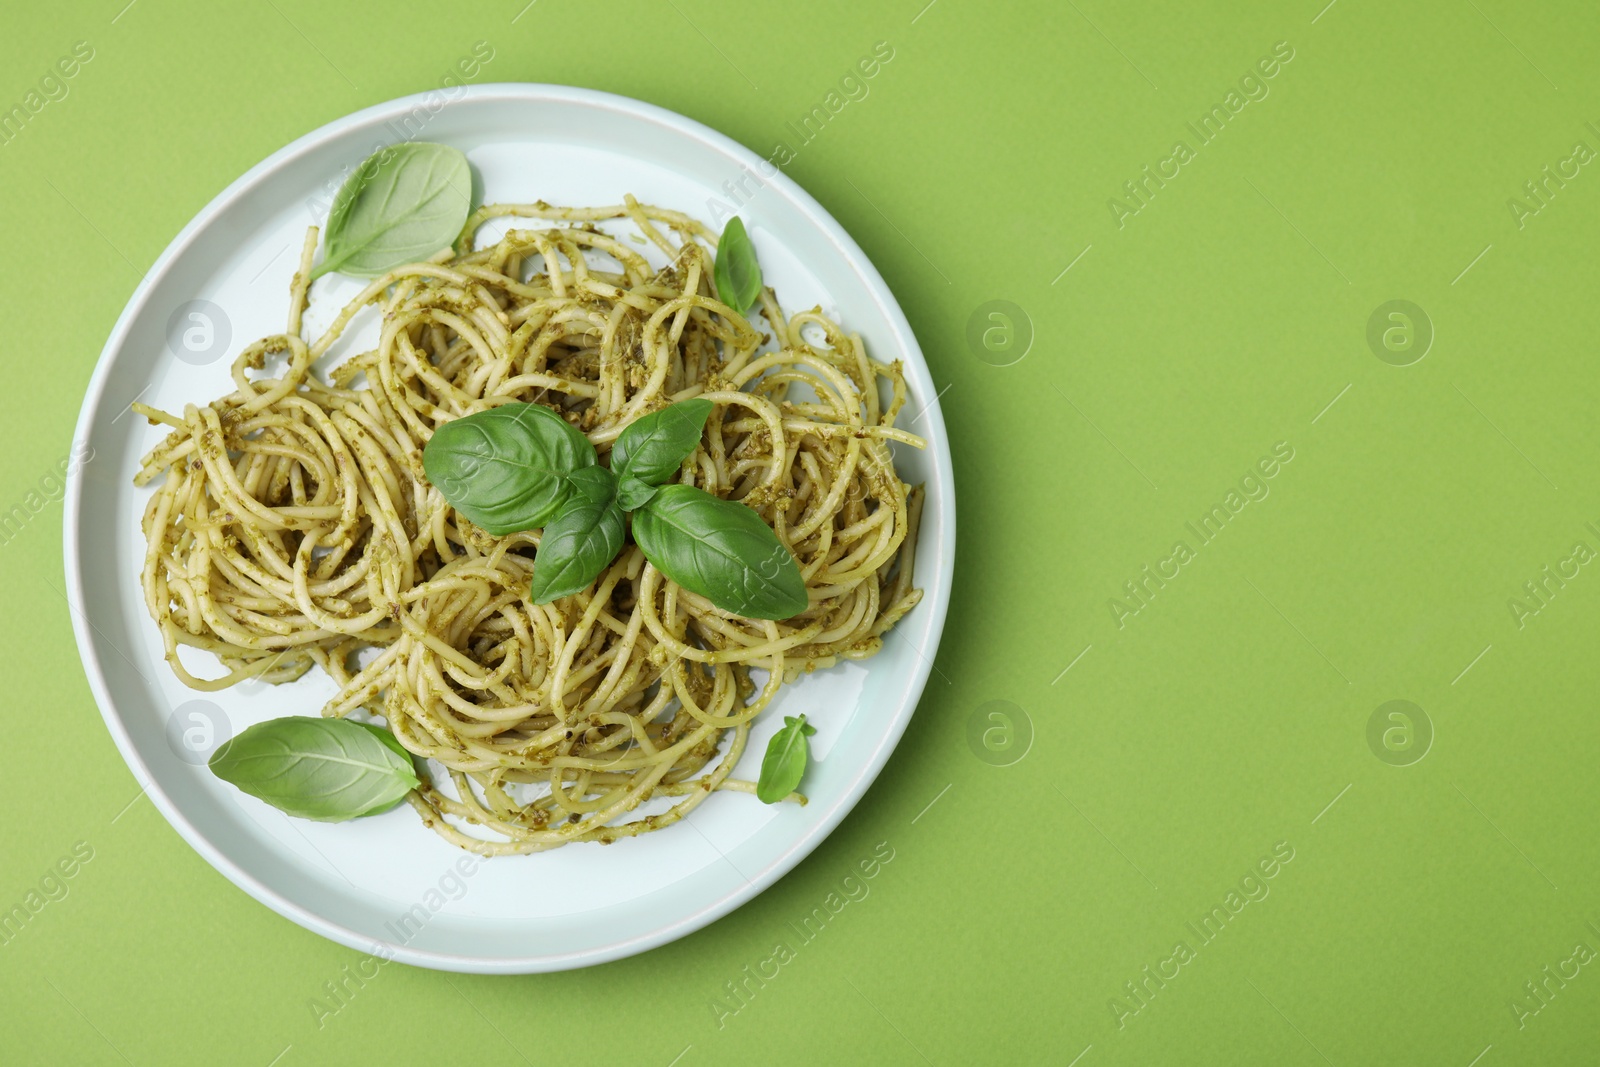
293,526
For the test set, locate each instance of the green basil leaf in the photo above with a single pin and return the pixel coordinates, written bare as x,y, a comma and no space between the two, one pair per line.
653,447
737,274
579,542
403,204
324,769
721,550
505,468
632,494
785,762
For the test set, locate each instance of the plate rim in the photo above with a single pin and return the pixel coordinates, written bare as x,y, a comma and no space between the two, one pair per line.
935,601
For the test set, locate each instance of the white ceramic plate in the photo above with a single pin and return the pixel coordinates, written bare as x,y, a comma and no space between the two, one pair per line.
386,884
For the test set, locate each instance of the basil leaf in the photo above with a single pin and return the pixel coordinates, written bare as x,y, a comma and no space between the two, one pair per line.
324,769
785,762
721,550
403,204
737,274
505,468
652,448
632,494
578,544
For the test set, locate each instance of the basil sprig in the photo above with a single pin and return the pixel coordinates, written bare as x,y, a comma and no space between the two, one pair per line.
507,468
324,769
785,762
737,273
522,466
403,204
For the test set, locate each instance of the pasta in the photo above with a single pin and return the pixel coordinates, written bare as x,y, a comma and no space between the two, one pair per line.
293,527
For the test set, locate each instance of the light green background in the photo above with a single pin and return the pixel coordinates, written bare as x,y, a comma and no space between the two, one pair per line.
1222,719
